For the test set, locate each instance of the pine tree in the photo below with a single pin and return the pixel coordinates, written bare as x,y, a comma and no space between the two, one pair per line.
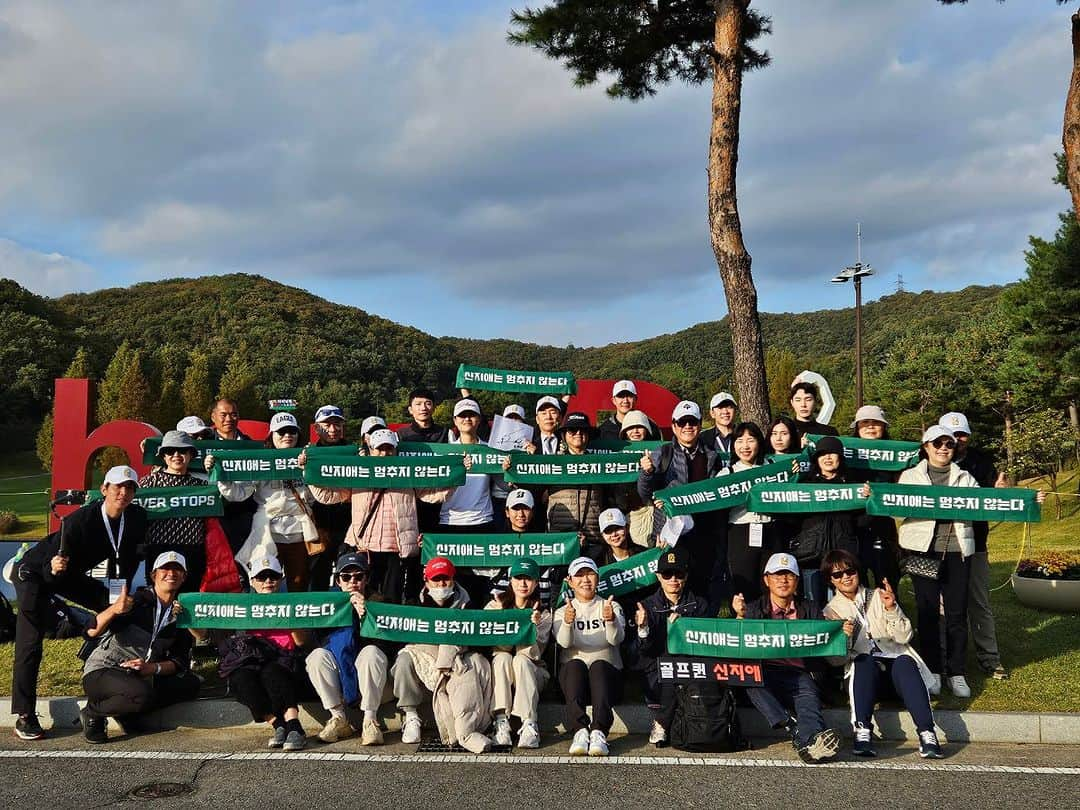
238,381
43,445
195,391
123,394
169,362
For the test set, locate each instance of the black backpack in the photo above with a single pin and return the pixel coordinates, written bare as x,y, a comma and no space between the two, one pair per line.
7,621
706,719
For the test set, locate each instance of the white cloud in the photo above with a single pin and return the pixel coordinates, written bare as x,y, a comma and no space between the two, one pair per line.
49,274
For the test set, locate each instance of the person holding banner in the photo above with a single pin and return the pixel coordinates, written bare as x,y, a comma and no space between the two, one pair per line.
225,418
423,670
468,509
141,661
347,668
424,429
519,673
589,630
385,525
282,521
577,508
520,505
265,668
331,520
636,427
186,535
367,427
878,547
789,683
111,532
879,649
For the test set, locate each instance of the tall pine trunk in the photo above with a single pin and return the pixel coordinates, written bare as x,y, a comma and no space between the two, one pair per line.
724,225
1070,136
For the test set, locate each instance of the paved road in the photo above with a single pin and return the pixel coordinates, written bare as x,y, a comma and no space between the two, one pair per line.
64,772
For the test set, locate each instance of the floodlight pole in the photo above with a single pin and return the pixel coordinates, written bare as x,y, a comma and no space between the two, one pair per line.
856,273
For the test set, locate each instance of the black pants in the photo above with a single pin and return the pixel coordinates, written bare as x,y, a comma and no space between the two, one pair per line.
659,697
320,566
267,691
395,578
194,556
598,684
951,591
122,693
746,562
878,552
35,618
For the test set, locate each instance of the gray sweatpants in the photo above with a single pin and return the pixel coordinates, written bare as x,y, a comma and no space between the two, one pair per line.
371,669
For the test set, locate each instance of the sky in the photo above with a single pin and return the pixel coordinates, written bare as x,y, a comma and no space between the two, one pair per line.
402,157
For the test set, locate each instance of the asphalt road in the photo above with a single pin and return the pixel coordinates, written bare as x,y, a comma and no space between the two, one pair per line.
64,772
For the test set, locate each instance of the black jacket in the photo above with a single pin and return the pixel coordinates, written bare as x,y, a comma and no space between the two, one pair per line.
814,428
823,531
657,610
88,544
412,432
724,447
981,466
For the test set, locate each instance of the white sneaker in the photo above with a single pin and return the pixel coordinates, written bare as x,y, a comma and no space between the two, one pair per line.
336,728
371,733
502,731
935,684
657,735
580,746
958,685
598,744
529,736
410,729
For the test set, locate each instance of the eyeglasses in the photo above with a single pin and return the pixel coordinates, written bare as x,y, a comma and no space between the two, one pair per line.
941,442
672,575
357,577
267,576
174,451
847,572
687,423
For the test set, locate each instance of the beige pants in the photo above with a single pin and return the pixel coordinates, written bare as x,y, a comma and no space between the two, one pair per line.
371,668
518,683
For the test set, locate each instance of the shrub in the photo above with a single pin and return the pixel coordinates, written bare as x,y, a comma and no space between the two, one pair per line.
1051,565
8,522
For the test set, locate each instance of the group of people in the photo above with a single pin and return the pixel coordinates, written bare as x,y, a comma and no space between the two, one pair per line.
750,564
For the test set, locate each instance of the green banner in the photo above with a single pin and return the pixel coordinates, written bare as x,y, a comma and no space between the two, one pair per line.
484,459
202,447
408,624
567,470
629,575
721,492
804,462
954,503
500,550
385,472
173,502
620,446
871,454
256,465
271,611
756,638
526,382
775,499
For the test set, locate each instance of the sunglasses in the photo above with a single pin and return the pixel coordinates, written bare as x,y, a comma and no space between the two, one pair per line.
941,441
174,451
267,576
688,423
577,430
672,575
847,572
289,431
357,577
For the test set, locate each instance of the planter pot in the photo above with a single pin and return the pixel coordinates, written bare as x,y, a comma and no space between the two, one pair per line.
1048,594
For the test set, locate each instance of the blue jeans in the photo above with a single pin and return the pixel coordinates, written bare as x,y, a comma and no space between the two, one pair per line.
788,689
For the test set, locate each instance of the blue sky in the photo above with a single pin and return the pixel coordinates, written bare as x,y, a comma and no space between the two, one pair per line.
403,158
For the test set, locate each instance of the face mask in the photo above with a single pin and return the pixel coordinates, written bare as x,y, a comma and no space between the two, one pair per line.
441,594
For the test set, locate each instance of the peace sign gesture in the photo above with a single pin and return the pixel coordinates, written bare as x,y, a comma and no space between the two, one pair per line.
888,598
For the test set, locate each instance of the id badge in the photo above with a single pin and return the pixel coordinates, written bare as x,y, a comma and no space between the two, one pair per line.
114,589
756,532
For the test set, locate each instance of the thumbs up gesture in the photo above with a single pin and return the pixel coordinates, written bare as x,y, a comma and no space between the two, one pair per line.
641,618
646,462
738,605
608,611
124,603
536,616
569,615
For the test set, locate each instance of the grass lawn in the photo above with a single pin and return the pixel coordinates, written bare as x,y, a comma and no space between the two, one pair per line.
21,473
1041,649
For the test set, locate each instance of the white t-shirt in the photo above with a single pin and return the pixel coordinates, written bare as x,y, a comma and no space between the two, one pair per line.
470,504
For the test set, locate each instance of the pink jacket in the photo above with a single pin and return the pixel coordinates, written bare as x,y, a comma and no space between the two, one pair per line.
401,502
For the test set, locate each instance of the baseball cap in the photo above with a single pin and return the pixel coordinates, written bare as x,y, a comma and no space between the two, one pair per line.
622,386
525,567
283,421
328,412
955,422
781,562
192,425
121,475
520,497
352,560
935,432
169,557
371,423
611,518
548,402
439,567
382,437
673,559
580,564
514,410
576,421
685,409
870,413
268,563
828,444
720,399
175,439
466,406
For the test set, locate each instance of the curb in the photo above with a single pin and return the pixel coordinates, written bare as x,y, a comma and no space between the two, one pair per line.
965,727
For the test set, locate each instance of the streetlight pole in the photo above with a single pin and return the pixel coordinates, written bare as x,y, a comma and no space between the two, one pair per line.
856,272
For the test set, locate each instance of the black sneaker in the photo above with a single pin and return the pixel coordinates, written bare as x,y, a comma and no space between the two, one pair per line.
864,739
929,747
93,727
27,727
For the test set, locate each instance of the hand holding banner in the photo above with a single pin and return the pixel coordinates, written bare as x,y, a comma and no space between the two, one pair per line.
757,638
721,492
275,611
555,383
571,470
409,624
874,454
162,503
773,499
386,472
500,550
1016,505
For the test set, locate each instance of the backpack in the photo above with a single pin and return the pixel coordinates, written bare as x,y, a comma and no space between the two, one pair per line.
706,720
7,621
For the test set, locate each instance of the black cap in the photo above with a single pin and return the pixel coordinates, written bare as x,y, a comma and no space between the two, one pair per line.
577,420
353,560
828,444
673,559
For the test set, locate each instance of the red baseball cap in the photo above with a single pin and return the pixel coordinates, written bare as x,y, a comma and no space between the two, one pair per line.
439,567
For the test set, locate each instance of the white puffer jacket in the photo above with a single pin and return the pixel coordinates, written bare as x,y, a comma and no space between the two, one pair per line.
917,534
